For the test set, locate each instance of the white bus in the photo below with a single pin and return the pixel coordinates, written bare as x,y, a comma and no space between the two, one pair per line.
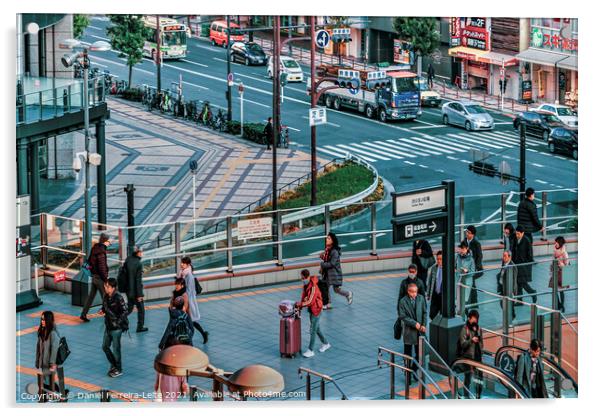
173,38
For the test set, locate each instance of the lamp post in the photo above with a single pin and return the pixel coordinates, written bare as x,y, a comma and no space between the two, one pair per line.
68,61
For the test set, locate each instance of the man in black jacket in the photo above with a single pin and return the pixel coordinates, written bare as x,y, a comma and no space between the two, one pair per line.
470,345
268,132
527,214
475,248
116,321
100,272
411,278
135,291
523,259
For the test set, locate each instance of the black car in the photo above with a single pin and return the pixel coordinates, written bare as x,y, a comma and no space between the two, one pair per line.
538,123
563,140
249,53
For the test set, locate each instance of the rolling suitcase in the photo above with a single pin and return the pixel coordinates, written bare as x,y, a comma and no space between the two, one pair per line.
290,330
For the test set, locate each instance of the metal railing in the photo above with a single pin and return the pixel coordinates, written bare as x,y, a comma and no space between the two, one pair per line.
323,380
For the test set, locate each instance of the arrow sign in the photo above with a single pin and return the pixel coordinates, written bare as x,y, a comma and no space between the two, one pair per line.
418,227
433,226
322,38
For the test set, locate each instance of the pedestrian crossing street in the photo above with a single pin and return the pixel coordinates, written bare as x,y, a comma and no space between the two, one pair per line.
425,145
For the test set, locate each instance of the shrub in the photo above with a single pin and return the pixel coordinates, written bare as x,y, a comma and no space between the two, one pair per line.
132,94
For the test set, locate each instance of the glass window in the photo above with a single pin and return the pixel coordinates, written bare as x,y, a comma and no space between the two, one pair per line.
253,47
289,63
564,111
550,117
421,84
404,84
174,38
475,109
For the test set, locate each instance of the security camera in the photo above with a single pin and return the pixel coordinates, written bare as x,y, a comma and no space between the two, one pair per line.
77,164
69,60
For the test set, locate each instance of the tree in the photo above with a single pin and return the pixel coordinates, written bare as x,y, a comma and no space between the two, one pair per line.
421,32
80,23
127,34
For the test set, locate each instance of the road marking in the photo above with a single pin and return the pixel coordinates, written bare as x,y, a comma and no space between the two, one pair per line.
382,147
328,122
537,165
194,63
465,161
361,240
533,151
452,158
440,171
442,148
194,85
97,37
573,191
409,163
476,142
449,140
396,148
497,140
123,65
337,154
260,104
503,122
95,27
432,126
292,128
424,122
423,166
540,181
355,149
411,146
98,64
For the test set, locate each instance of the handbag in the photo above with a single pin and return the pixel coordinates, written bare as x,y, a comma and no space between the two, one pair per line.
197,287
397,328
63,351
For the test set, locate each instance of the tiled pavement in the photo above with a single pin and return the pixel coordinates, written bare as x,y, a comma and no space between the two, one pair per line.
244,330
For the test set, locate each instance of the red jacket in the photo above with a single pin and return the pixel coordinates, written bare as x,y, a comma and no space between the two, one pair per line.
312,297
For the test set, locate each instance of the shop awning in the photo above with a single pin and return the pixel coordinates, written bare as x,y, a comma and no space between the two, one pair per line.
465,52
541,57
496,58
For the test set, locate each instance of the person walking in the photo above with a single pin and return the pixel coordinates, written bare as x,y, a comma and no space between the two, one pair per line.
475,249
526,214
97,260
268,133
434,285
509,238
186,272
470,345
180,329
412,277
47,347
412,311
422,257
115,312
562,258
312,300
523,259
330,269
507,284
529,371
132,268
431,75
464,268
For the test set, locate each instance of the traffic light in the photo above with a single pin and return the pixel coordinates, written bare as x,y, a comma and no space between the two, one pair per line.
482,168
377,79
340,35
348,79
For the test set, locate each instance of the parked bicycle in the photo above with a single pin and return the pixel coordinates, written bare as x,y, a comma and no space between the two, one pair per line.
283,138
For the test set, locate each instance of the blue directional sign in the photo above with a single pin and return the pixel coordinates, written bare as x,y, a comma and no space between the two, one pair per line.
322,38
354,90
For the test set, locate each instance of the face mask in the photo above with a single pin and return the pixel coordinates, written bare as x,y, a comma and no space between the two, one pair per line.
305,281
412,275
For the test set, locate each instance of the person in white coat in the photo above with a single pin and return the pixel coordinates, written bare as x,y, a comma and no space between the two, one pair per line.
186,272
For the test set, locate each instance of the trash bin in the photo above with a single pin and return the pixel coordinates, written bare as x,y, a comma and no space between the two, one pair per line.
80,288
205,29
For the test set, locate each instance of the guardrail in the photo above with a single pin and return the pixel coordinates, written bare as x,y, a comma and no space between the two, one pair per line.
323,379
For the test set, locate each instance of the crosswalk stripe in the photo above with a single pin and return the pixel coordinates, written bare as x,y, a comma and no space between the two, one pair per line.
337,154
396,147
441,147
388,152
415,145
448,140
501,138
401,142
463,136
516,138
358,149
502,141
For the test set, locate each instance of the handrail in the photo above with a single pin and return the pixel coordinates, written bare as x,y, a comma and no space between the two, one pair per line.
495,372
323,377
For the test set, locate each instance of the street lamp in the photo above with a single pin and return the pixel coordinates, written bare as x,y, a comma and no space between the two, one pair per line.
81,53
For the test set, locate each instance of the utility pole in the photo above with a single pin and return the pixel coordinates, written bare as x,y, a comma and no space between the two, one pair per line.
158,54
129,190
312,29
275,126
228,69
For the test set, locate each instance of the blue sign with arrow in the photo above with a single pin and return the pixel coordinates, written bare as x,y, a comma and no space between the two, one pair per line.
322,38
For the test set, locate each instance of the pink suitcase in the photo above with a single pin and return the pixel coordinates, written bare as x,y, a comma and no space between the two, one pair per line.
290,335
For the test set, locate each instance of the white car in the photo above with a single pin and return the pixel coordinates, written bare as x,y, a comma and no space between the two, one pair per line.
564,113
288,65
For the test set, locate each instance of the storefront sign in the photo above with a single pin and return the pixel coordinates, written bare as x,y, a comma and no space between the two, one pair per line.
60,276
527,91
551,39
471,32
255,228
402,53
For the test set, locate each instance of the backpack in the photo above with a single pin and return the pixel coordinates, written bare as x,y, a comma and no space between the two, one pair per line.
122,279
180,332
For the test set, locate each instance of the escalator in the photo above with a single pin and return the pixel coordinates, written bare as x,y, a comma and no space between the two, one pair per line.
559,382
494,383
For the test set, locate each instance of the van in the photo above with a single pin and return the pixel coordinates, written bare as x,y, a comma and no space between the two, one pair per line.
219,36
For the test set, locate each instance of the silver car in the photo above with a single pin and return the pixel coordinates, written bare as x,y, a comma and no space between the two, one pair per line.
467,114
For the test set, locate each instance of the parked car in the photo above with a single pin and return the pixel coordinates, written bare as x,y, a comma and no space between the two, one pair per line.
250,53
219,35
563,112
428,97
563,140
538,123
287,65
467,114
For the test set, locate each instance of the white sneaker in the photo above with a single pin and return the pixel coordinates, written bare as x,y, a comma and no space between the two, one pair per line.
308,354
350,298
324,347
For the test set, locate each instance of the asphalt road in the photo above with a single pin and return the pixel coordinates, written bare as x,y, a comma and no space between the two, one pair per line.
407,154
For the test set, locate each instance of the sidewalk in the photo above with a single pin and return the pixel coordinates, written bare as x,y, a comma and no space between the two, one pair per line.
244,330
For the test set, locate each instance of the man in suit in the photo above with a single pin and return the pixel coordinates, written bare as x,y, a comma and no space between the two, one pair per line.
506,279
526,214
434,286
412,311
523,259
529,372
475,248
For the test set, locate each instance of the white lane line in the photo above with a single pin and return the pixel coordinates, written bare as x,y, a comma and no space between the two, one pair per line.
516,137
497,140
450,141
465,161
215,49
476,142
423,166
424,122
380,150
194,85
292,128
537,165
123,65
432,126
98,64
452,158
361,240
557,157
440,171
442,148
358,149
194,63
503,122
97,37
246,100
95,27
337,154
411,147
393,149
417,145
543,153
534,151
409,163
573,191
540,181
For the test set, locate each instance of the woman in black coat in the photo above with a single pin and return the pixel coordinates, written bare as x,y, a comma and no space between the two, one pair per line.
422,257
509,238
